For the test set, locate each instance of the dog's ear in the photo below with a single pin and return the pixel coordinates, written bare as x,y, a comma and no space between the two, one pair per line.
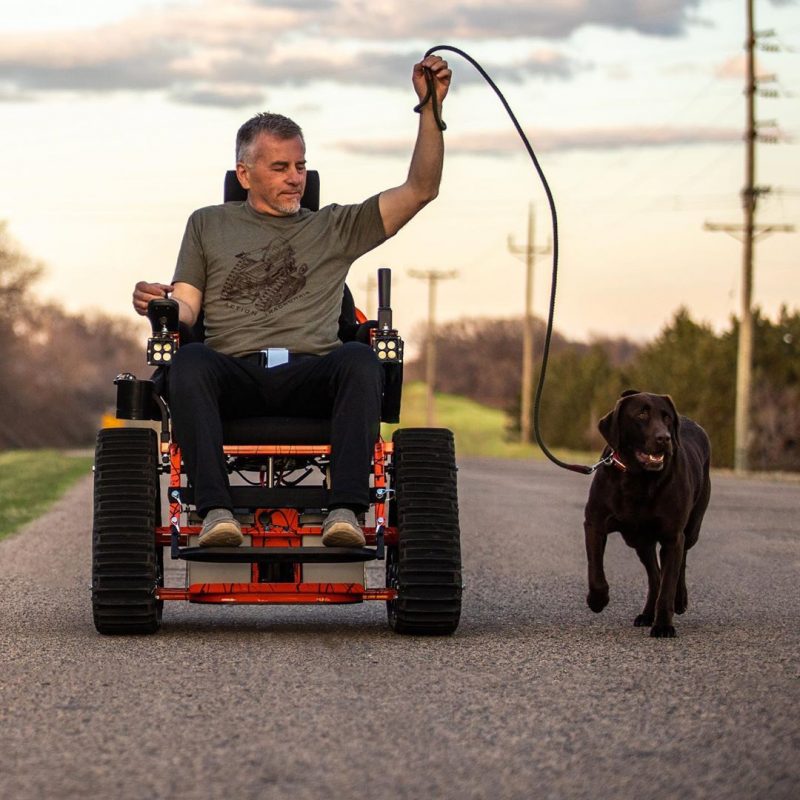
609,424
676,421
609,427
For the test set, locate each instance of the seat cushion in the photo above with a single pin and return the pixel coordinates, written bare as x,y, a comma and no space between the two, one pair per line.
276,430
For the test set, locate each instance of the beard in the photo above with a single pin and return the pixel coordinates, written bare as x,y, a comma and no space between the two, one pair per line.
285,206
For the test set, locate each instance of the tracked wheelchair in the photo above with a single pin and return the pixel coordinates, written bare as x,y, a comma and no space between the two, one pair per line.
280,499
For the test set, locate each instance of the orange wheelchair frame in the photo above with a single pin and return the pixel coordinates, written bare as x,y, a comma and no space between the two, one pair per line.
280,538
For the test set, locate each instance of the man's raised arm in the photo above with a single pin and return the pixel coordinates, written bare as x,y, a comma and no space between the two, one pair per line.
399,205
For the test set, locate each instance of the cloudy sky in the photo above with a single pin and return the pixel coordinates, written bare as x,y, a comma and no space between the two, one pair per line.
119,120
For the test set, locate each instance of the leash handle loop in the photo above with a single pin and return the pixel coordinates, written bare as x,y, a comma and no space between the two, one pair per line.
430,95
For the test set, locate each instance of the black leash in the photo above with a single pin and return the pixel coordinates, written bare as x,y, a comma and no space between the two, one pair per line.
430,96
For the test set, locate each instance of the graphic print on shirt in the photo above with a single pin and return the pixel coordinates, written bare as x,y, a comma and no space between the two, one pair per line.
265,279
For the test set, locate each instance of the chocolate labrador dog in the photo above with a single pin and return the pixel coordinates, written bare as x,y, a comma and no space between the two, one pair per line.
654,489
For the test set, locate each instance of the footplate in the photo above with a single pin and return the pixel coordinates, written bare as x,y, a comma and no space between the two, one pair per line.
284,555
276,593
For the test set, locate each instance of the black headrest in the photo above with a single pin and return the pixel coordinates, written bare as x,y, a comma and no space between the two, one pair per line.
310,199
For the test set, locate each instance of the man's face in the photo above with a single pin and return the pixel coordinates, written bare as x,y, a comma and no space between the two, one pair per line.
276,175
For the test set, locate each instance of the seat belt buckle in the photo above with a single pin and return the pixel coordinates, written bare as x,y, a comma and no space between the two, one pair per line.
274,357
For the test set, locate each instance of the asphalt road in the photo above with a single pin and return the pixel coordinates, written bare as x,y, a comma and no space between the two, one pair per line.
534,697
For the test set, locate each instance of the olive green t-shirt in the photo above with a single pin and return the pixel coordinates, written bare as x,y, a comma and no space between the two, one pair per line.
274,281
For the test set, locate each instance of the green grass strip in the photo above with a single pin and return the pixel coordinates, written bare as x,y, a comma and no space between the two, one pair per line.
32,480
478,430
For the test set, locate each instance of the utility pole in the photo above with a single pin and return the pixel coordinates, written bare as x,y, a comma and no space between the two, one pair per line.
530,252
750,231
432,276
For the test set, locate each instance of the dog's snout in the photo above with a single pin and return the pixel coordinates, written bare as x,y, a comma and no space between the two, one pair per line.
663,438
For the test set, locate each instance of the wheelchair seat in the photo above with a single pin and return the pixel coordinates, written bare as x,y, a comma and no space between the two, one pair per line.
276,430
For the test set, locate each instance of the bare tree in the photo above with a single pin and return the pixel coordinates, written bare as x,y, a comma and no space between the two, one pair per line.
56,369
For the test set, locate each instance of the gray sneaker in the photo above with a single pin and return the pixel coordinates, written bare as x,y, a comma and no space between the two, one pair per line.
341,530
220,529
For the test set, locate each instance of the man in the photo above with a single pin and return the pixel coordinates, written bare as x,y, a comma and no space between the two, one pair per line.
268,274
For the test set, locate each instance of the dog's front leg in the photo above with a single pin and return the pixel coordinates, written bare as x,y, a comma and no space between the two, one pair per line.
671,560
647,555
597,599
681,593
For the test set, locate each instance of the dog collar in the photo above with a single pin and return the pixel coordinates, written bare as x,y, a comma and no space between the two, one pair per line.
613,458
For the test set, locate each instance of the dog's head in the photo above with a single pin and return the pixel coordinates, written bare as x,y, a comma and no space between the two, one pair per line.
643,429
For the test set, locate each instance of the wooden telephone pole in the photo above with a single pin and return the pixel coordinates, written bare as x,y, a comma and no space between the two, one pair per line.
749,233
530,252
432,276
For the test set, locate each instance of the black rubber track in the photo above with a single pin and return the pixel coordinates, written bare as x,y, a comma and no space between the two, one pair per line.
126,564
425,566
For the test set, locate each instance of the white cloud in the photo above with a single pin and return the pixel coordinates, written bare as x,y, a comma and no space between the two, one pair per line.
505,143
215,51
487,19
735,68
228,96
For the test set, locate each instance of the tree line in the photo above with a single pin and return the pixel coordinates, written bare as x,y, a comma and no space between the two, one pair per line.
56,369
480,359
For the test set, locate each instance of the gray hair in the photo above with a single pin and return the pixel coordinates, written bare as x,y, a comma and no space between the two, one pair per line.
264,122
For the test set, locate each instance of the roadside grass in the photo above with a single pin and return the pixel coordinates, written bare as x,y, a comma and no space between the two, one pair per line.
32,480
478,430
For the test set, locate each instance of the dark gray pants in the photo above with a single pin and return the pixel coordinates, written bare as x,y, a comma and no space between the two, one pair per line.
206,386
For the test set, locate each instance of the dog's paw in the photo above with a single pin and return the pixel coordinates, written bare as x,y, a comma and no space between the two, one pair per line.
643,620
681,601
597,600
662,632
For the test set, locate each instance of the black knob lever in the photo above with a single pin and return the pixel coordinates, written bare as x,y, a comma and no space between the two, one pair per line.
384,299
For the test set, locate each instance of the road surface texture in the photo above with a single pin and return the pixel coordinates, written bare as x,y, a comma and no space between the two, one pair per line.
534,697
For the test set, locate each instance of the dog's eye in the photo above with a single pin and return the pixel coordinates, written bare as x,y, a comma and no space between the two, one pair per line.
643,414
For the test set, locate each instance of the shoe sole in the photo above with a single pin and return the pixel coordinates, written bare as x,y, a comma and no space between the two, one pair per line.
343,535
223,534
